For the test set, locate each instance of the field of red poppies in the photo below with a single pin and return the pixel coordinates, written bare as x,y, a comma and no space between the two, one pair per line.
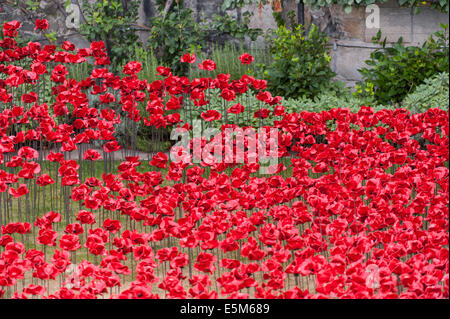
357,206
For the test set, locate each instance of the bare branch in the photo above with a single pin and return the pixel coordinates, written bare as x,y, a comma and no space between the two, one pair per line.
167,8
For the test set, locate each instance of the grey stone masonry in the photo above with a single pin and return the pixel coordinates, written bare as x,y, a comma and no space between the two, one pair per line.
350,34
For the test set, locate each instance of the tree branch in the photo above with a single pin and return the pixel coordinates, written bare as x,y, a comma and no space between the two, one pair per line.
81,11
167,8
141,26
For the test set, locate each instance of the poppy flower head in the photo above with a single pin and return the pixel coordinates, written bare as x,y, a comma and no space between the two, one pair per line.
208,65
246,59
188,58
41,24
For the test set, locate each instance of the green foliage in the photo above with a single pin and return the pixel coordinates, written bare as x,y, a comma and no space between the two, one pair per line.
395,71
234,4
329,100
178,32
225,24
300,64
281,21
227,62
112,21
248,100
146,144
334,96
51,37
433,93
149,65
32,5
175,34
79,71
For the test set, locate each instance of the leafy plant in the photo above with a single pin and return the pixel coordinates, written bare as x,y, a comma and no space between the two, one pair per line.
290,21
112,22
225,24
175,33
395,71
300,64
32,5
233,4
433,93
329,100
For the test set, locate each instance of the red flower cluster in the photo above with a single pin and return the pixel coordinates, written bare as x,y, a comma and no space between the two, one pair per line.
358,206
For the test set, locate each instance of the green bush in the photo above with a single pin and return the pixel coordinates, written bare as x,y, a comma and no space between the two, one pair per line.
433,93
175,34
396,71
300,66
178,32
112,22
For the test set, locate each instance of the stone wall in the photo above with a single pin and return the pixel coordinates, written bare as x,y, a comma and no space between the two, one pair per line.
351,37
53,10
350,42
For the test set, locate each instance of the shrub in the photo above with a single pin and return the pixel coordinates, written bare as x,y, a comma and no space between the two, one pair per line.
178,32
112,22
174,34
300,64
396,71
433,93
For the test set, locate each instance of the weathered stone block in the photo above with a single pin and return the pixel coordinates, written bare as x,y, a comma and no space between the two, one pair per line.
348,57
394,23
425,23
351,24
264,21
354,29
